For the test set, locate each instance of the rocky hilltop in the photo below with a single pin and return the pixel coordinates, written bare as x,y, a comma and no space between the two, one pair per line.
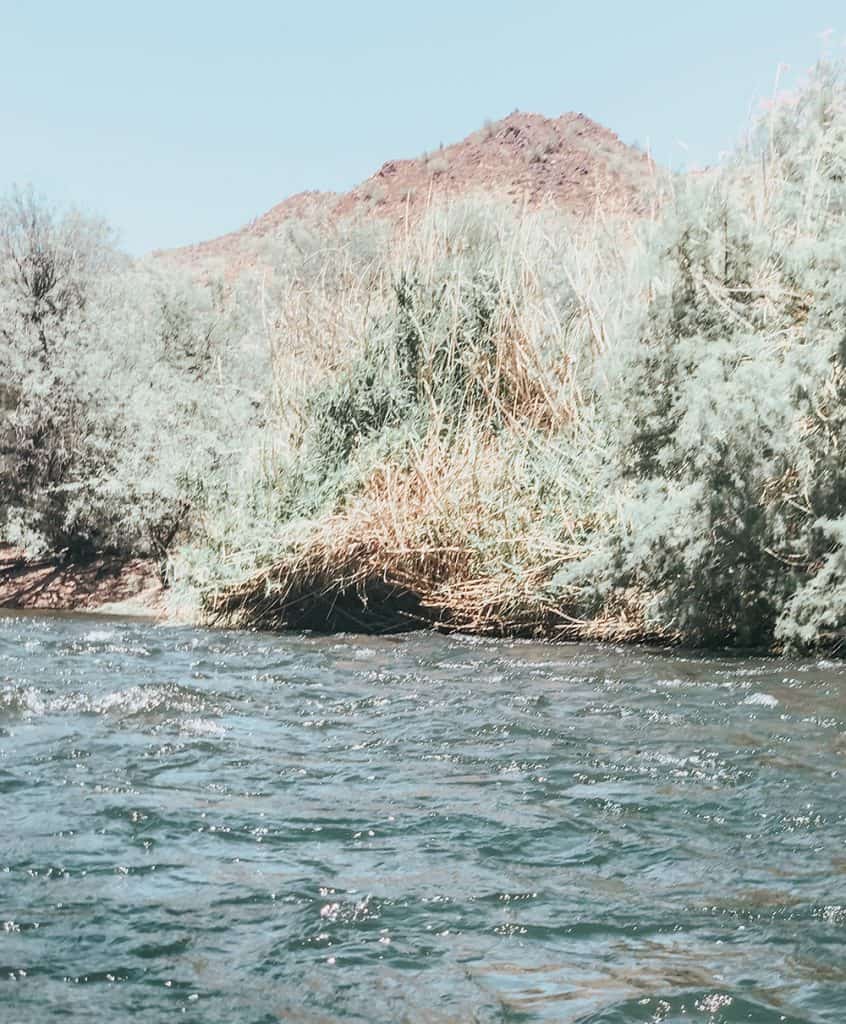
570,161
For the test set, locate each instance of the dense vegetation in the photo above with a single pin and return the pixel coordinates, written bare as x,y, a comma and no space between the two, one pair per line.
498,422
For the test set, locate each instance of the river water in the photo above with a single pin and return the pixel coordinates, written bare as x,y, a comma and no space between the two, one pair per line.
219,827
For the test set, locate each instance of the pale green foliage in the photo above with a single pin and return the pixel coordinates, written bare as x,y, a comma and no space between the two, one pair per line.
724,417
124,412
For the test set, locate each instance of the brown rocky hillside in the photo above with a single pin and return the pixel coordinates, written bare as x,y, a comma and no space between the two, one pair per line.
530,159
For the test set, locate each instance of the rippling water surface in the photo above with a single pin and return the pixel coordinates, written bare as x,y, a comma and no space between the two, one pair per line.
235,828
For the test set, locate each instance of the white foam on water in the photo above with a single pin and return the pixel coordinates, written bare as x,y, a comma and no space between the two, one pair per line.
762,699
133,700
202,727
26,699
100,636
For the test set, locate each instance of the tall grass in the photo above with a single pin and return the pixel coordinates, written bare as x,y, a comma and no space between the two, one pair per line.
432,475
611,429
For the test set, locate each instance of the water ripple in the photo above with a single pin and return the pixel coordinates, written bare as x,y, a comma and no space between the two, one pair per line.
225,827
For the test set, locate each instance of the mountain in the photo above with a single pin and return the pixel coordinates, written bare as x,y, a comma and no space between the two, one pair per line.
570,161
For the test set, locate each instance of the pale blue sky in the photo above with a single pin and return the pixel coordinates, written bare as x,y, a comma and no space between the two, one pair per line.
181,120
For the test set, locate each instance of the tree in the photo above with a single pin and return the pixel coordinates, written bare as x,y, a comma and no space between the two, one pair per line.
50,265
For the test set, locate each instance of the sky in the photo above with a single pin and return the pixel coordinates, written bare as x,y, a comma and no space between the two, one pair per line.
178,121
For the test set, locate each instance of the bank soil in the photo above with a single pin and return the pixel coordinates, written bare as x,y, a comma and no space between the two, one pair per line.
126,586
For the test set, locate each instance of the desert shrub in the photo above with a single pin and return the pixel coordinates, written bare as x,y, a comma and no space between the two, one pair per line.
49,268
722,421
124,405
437,165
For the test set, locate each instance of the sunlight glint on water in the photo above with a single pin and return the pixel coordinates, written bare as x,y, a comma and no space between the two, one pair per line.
222,827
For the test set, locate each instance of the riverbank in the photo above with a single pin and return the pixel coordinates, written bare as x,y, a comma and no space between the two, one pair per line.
499,421
112,585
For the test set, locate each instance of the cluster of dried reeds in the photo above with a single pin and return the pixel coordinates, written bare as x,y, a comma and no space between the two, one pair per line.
436,544
474,333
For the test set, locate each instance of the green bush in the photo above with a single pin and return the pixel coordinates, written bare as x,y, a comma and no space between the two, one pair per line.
723,422
122,410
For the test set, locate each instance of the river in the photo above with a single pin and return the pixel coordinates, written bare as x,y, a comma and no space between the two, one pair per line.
234,828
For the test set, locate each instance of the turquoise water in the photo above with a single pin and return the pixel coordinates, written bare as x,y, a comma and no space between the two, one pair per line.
218,827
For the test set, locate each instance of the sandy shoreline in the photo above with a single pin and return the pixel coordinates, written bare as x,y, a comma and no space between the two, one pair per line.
107,585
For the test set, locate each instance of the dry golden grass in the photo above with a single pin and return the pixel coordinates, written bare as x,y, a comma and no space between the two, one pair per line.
452,533
439,544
